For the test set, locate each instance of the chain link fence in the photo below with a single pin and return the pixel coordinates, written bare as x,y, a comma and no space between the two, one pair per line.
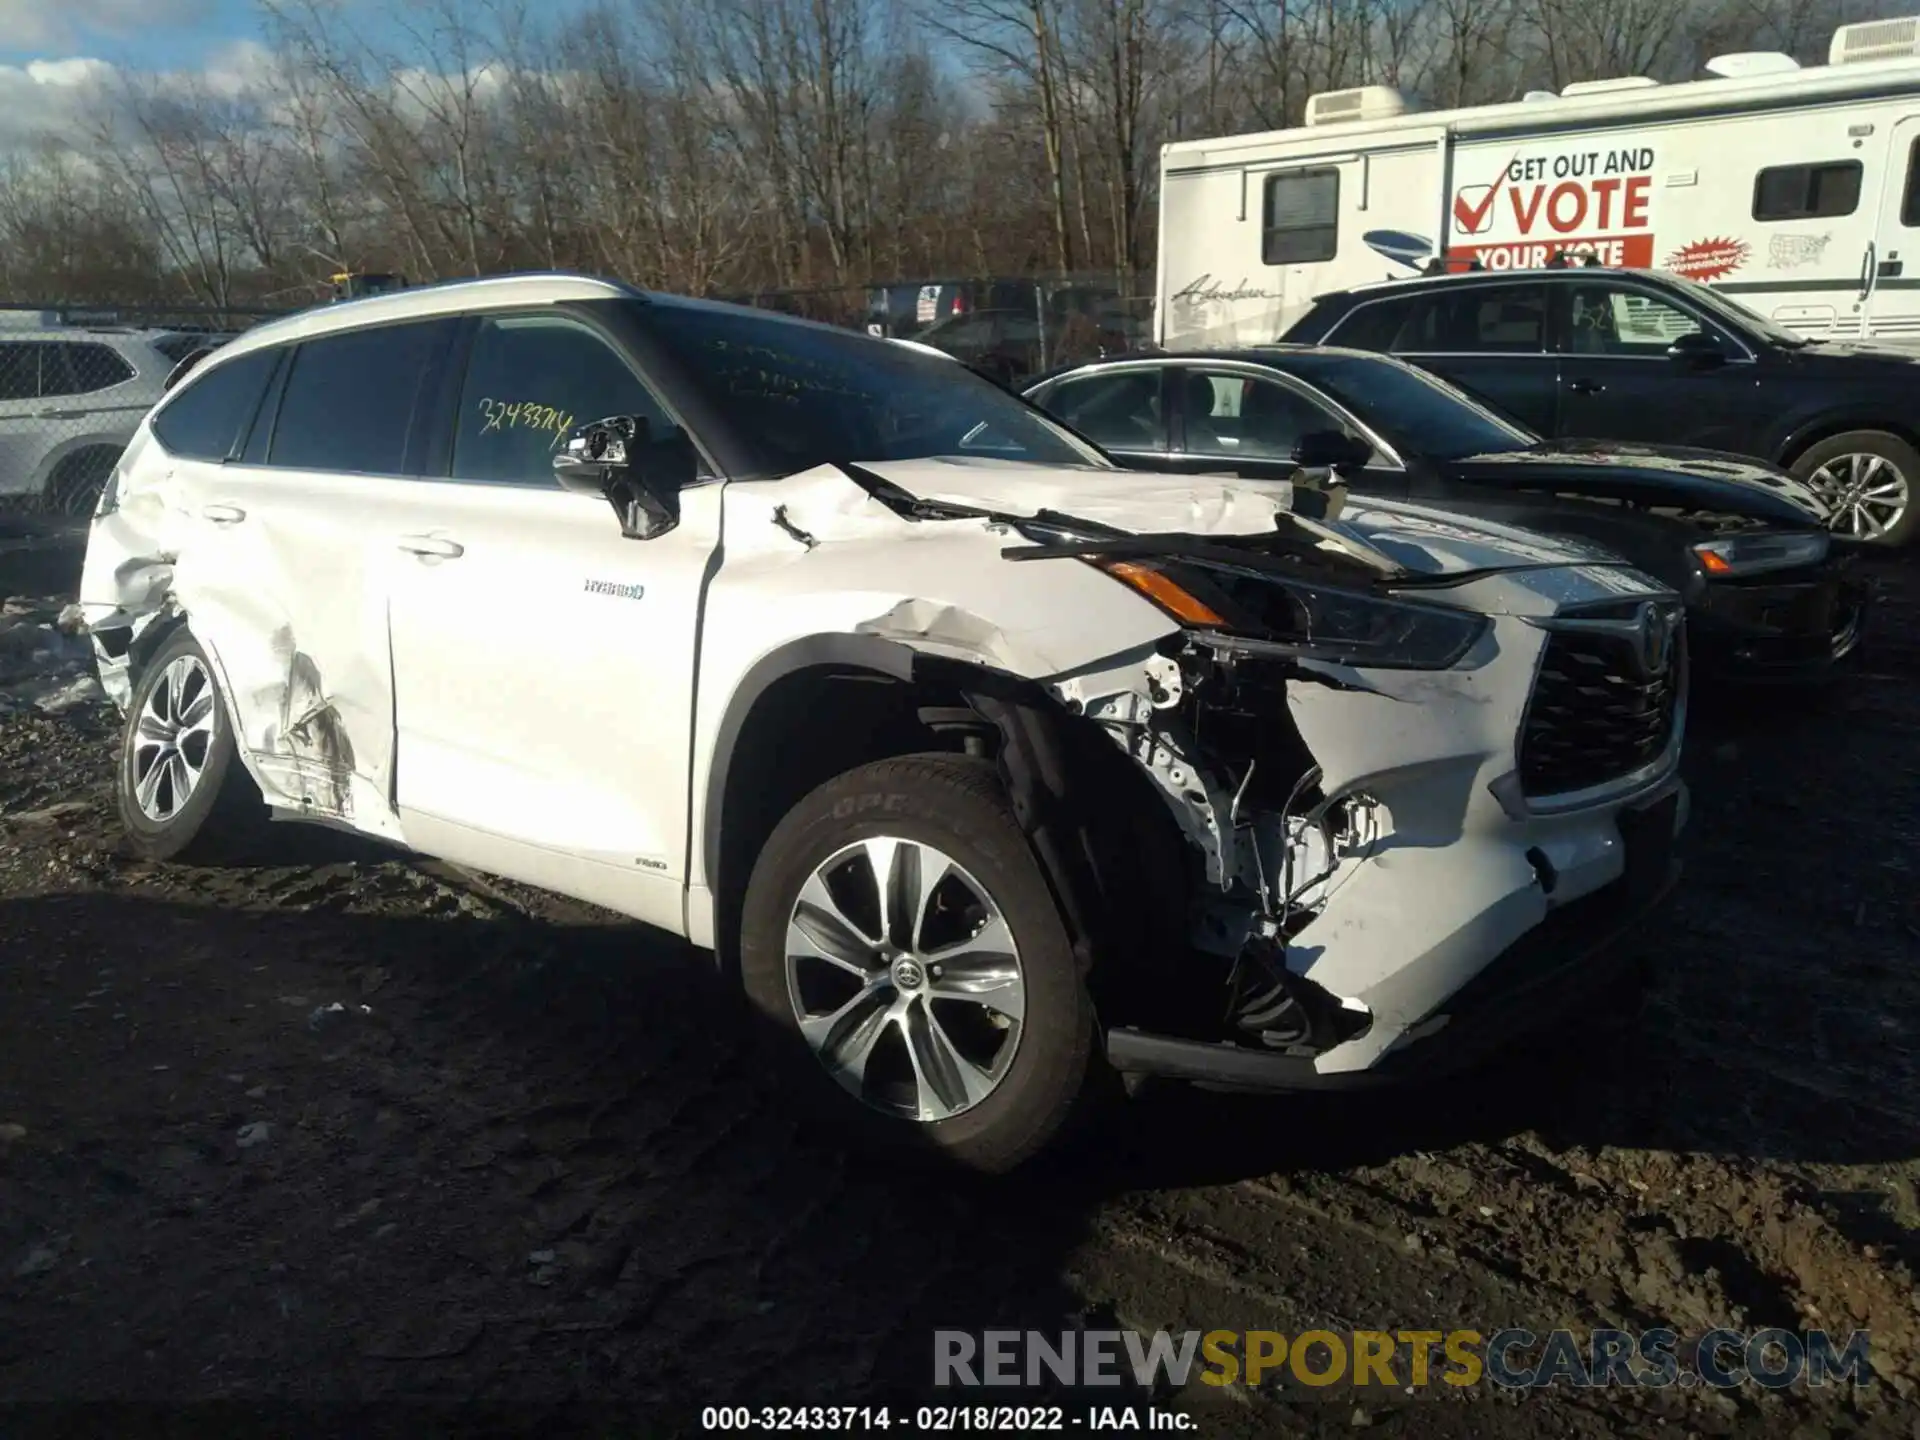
1009,329
75,381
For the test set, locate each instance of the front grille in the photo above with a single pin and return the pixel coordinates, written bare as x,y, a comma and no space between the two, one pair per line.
1597,715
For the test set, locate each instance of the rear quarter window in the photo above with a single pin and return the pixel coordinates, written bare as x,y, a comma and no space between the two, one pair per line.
206,416
82,368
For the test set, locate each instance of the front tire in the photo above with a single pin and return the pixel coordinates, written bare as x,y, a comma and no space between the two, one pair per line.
181,790
1871,479
902,947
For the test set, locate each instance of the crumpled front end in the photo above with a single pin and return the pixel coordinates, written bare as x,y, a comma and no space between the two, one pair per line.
1377,747
1377,842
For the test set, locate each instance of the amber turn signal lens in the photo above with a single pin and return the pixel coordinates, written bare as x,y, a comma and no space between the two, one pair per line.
1165,593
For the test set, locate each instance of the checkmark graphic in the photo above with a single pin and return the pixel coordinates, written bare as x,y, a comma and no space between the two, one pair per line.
1473,207
1473,204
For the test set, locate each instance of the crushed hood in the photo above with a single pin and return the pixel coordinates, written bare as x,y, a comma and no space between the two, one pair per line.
1422,540
1658,475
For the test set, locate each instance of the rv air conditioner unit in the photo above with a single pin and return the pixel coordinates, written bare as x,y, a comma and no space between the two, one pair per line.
1749,63
1601,87
1875,40
1364,102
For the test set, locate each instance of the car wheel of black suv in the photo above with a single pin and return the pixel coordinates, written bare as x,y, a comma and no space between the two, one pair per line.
181,789
903,948
1870,478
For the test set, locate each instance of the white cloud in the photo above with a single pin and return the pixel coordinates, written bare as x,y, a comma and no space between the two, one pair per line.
59,24
51,98
242,67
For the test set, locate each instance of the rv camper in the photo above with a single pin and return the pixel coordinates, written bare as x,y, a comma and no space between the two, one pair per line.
1797,190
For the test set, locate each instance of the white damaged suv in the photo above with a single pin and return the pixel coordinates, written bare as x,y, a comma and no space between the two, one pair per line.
985,767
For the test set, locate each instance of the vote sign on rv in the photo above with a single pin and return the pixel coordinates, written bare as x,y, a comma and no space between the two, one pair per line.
1574,202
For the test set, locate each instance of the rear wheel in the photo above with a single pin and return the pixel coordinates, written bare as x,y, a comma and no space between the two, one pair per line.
181,789
1869,478
900,943
74,488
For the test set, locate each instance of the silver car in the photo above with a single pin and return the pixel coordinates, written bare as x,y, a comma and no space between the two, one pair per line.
71,399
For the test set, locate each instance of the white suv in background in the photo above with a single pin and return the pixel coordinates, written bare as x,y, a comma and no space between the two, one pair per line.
981,764
70,400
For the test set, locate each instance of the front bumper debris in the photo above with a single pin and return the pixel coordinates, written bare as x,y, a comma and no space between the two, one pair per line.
1579,952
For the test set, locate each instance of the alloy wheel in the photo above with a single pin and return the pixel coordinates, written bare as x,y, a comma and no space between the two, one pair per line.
172,736
905,979
1868,494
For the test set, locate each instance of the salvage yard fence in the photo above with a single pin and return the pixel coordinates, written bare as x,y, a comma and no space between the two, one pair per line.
76,376
78,373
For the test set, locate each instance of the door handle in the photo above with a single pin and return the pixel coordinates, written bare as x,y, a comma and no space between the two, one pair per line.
61,415
1585,387
1869,271
223,514
432,545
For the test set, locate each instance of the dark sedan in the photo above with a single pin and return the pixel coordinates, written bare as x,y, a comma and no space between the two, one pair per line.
1768,594
1642,356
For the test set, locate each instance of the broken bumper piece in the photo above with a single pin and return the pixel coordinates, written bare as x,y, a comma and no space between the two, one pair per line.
1578,953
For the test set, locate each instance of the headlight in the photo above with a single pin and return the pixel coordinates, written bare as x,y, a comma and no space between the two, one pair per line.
1309,619
1758,553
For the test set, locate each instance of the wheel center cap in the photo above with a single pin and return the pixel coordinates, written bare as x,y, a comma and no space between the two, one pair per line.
908,973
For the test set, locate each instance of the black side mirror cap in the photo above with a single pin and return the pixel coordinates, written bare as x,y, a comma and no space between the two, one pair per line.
1697,348
1333,450
602,458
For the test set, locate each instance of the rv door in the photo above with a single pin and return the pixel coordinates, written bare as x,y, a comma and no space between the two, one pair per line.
1891,270
1246,244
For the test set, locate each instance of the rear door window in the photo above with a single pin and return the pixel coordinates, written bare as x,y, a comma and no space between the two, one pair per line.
1119,410
205,418
1244,416
350,398
1470,320
81,369
1382,325
20,371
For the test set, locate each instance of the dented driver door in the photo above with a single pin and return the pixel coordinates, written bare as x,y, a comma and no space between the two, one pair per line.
543,662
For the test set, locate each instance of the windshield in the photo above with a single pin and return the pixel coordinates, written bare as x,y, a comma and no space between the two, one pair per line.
1415,411
805,395
1734,313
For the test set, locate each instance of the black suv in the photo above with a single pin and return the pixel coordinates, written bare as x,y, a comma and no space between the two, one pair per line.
1642,356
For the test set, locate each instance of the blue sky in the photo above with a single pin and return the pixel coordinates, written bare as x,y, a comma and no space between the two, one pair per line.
139,34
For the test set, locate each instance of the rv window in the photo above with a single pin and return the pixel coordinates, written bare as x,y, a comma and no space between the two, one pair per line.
1910,198
1807,192
1302,222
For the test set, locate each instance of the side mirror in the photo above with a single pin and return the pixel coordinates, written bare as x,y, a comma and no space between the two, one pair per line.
1697,351
1333,450
602,458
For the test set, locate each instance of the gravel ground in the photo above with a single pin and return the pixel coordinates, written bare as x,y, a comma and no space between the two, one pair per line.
354,1128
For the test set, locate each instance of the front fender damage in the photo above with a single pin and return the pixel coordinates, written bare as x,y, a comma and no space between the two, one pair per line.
1287,858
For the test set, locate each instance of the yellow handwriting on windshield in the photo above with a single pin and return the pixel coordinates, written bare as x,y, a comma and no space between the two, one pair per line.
505,415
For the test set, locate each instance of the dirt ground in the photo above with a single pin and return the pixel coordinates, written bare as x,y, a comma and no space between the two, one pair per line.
352,1129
